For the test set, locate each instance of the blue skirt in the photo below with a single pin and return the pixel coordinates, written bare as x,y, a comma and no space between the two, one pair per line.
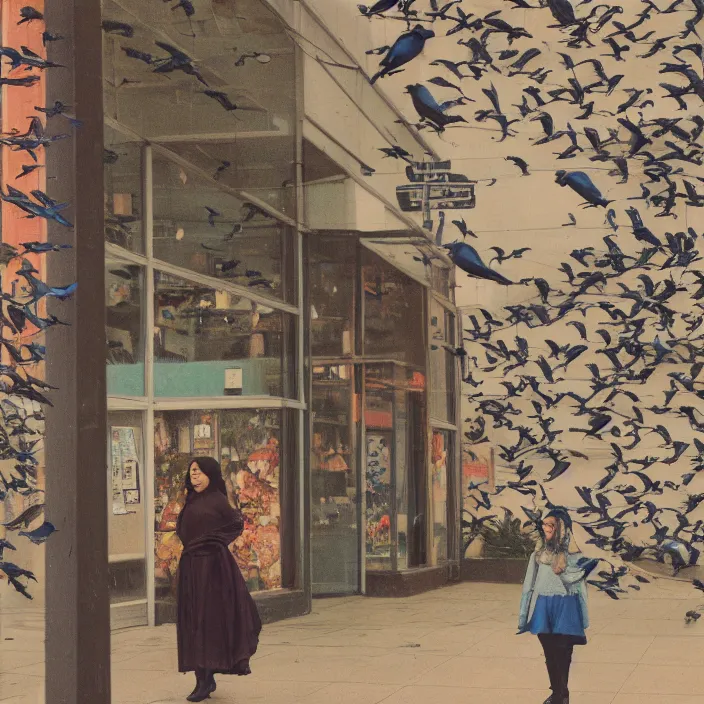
558,614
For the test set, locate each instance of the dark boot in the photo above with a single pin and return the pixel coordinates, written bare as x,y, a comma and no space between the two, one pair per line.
563,674
203,687
547,641
199,679
210,679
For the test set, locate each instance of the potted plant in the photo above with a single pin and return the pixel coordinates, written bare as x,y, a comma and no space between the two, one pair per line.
505,549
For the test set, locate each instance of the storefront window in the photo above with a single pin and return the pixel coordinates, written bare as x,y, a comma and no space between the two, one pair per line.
242,80
213,343
199,227
393,312
122,166
332,270
263,166
247,444
335,544
126,519
124,300
379,460
439,472
442,363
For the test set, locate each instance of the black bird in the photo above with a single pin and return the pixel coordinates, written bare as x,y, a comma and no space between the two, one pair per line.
121,28
520,163
177,61
29,14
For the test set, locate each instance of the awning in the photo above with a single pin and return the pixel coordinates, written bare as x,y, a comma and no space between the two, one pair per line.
412,256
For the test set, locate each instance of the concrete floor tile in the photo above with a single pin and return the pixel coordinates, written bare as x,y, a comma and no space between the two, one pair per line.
650,627
507,645
351,693
665,680
625,698
12,659
666,650
613,649
488,673
421,694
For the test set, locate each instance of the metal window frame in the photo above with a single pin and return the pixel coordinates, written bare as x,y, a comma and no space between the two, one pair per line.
148,404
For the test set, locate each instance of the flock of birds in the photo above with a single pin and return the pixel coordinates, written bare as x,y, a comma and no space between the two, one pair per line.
22,395
571,376
616,316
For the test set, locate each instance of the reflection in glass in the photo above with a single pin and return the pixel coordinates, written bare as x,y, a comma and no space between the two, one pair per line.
379,421
334,507
442,363
213,343
393,312
122,167
440,455
331,279
124,302
247,444
236,105
126,519
199,227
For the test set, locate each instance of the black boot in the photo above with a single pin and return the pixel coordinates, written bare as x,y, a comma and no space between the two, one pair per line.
563,675
547,641
210,679
203,687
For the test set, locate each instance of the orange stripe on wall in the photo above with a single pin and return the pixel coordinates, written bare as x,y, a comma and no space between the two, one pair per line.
18,106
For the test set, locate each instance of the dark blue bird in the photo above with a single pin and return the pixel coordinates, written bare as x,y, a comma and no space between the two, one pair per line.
467,258
580,183
403,50
39,288
45,208
39,535
429,109
29,13
377,8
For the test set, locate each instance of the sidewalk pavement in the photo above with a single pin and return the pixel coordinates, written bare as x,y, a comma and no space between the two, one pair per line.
455,645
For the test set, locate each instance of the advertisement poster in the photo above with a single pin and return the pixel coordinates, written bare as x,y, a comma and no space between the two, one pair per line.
124,470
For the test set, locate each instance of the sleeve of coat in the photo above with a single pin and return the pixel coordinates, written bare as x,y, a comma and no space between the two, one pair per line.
574,572
526,593
233,521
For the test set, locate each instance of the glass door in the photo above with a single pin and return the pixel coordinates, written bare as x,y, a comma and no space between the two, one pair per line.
334,508
126,519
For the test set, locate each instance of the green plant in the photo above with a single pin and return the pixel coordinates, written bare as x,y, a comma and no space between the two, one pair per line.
506,538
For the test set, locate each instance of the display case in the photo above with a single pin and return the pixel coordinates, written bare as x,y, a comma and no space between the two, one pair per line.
247,443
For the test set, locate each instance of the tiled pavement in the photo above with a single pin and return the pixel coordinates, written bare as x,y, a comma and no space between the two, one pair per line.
451,646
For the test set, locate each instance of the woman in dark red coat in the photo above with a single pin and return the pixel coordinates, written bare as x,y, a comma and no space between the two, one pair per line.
218,623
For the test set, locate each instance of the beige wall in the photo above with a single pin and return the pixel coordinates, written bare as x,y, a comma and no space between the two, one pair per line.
530,211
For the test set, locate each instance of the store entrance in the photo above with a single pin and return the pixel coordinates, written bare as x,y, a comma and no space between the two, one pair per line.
368,393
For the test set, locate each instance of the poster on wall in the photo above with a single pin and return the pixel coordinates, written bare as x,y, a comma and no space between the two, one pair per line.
378,476
124,470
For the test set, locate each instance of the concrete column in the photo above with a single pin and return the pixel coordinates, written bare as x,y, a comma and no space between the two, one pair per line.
77,600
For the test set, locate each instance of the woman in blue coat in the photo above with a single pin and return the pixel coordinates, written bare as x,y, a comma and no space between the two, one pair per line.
554,600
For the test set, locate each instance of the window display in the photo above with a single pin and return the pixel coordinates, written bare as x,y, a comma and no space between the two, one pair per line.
334,500
443,363
332,270
228,344
438,470
247,444
393,312
200,227
124,301
126,520
122,166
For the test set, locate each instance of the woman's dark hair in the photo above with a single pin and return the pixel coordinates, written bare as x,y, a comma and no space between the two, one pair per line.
211,468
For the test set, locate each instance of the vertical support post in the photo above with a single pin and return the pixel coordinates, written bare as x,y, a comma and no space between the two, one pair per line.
303,544
149,489
77,599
